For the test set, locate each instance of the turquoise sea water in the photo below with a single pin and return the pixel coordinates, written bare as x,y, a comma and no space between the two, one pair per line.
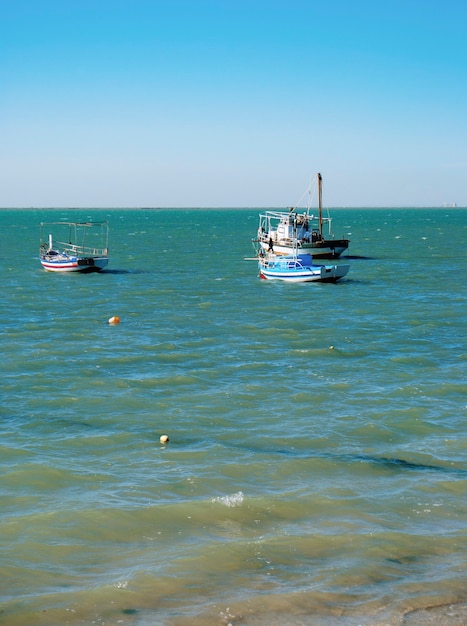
316,471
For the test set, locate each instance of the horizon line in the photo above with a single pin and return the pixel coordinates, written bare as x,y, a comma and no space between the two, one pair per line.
252,208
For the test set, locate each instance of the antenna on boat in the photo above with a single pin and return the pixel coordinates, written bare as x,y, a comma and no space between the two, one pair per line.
320,208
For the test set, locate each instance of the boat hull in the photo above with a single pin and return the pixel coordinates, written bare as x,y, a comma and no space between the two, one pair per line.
291,271
327,249
75,264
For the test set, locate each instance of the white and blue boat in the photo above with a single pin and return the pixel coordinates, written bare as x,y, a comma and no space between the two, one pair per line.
284,231
298,268
74,246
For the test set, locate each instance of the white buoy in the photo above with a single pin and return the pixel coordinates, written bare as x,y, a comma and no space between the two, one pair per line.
164,439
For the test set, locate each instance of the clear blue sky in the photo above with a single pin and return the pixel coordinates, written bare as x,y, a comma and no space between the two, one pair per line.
217,103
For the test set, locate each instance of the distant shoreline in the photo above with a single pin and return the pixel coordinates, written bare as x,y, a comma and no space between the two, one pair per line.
214,208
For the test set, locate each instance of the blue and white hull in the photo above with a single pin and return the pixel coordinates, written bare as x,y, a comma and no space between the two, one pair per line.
299,269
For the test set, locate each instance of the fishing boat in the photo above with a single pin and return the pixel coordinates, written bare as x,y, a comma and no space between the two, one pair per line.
298,268
74,246
283,231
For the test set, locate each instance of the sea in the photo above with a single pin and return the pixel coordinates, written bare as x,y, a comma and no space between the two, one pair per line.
316,468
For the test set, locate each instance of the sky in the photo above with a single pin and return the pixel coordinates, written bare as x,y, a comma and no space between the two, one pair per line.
232,103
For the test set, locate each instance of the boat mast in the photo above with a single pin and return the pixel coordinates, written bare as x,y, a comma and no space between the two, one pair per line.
320,208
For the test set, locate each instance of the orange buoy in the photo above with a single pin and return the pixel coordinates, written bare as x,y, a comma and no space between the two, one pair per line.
114,320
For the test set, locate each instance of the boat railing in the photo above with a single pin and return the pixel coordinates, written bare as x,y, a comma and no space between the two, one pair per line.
270,221
79,250
282,263
265,237
287,241
92,238
284,241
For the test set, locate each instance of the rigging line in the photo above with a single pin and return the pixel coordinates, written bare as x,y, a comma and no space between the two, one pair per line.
311,188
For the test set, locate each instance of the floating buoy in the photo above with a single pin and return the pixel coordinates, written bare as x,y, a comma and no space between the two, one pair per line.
114,320
164,439
331,347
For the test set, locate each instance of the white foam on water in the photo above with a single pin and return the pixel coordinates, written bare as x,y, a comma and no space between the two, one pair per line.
235,499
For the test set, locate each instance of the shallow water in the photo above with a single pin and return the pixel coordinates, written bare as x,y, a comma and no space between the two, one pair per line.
316,467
